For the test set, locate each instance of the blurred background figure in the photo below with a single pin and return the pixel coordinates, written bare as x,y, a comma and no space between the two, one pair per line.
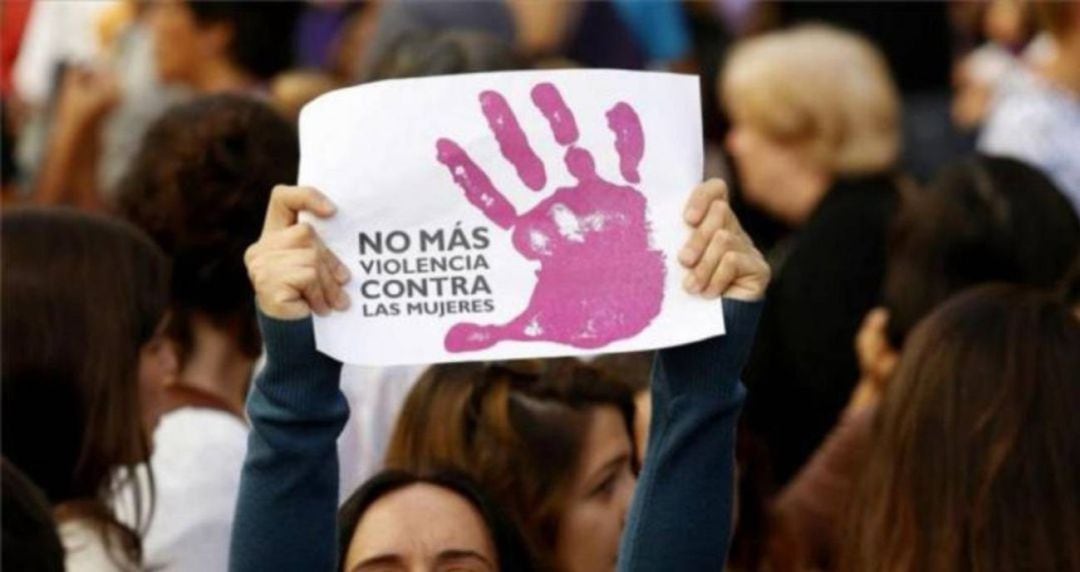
983,219
816,141
1036,114
918,44
169,50
222,46
1008,27
984,393
81,371
199,187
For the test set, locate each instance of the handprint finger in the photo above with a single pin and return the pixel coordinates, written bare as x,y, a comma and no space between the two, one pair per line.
477,186
513,144
580,164
629,139
578,161
550,102
702,197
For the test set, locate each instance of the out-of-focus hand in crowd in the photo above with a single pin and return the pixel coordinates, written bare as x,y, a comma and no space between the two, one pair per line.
877,359
86,97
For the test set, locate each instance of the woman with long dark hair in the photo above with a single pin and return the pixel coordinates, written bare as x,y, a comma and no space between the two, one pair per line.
974,461
981,220
84,303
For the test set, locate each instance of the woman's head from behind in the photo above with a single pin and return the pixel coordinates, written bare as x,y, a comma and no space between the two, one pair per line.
973,463
551,442
84,301
808,105
199,187
404,521
983,219
423,54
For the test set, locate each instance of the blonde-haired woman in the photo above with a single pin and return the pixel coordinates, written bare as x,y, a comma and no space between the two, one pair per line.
815,139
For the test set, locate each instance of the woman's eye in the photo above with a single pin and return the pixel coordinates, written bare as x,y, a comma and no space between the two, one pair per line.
605,487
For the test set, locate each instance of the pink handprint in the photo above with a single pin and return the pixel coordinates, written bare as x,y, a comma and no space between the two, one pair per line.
599,279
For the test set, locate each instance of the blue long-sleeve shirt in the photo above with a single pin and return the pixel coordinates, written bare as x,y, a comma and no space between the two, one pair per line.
680,518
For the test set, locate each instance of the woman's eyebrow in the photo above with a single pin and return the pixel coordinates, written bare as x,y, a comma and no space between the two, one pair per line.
380,560
611,465
621,459
462,554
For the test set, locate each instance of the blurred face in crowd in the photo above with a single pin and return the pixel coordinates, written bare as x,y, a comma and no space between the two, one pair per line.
775,177
181,46
592,524
159,365
421,528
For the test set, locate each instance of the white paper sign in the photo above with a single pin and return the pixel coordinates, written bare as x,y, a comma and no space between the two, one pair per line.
508,215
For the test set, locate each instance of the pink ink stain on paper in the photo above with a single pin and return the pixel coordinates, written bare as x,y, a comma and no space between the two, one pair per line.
599,279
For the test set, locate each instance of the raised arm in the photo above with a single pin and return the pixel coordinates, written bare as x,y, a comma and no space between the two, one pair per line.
286,510
70,167
681,515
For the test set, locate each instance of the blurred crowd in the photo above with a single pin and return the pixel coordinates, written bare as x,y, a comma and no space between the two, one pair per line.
910,171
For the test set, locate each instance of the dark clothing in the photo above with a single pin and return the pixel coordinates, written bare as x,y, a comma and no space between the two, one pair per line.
680,518
803,367
915,37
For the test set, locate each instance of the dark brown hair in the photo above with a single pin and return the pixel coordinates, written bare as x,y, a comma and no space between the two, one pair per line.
30,540
516,428
1056,17
974,463
632,368
261,43
199,187
509,545
982,219
81,295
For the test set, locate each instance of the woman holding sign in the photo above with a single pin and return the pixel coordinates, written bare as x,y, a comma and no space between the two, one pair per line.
683,503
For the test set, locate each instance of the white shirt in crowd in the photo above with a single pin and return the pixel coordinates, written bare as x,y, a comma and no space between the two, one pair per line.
1039,123
375,397
85,549
197,459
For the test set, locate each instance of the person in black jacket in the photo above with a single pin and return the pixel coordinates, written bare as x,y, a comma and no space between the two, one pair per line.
815,137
